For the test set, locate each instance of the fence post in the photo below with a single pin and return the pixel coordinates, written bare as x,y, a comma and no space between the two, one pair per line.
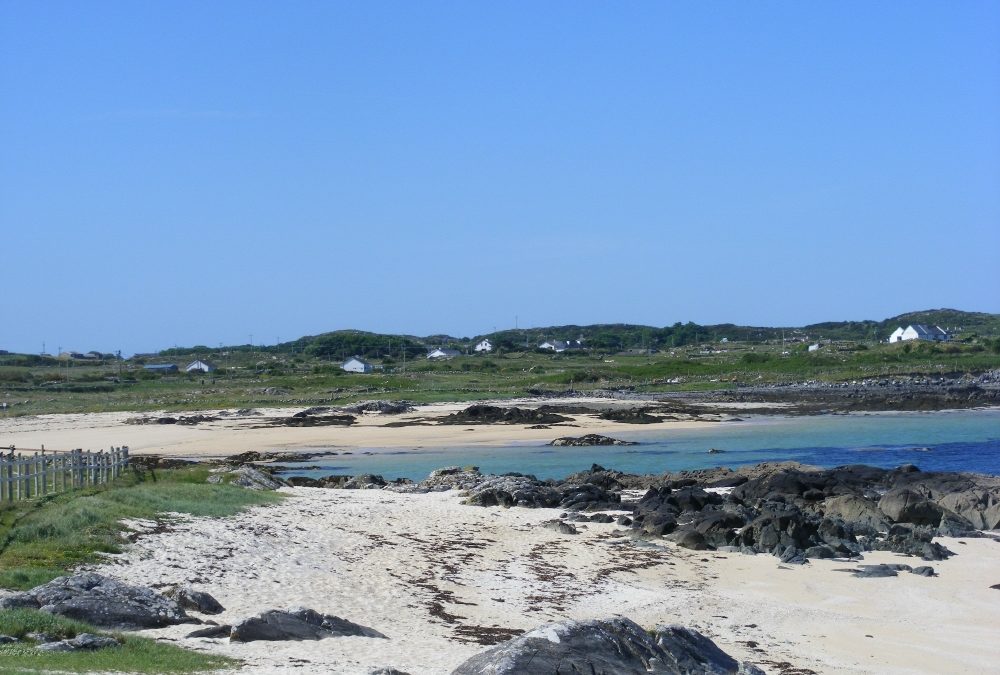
77,468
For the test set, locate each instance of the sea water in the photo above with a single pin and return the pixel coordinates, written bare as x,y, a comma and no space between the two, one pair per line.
966,440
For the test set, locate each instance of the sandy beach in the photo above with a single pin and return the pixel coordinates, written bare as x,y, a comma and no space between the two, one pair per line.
443,580
436,577
234,434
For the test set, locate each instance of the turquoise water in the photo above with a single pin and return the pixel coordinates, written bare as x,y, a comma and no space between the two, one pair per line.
939,441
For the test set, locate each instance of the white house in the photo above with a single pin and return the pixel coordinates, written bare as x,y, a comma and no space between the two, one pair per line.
814,347
199,365
443,353
356,364
919,331
559,346
483,345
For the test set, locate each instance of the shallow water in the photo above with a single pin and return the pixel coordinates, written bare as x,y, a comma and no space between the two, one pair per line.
967,440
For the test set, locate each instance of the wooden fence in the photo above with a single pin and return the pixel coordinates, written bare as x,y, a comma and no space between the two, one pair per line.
23,476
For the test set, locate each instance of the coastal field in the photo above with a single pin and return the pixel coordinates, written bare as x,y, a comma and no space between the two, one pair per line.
289,376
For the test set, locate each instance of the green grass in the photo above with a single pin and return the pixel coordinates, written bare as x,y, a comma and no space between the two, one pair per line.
135,655
300,380
45,538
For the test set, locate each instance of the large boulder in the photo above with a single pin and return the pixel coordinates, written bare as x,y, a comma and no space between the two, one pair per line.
298,624
856,509
605,647
248,477
903,505
513,491
101,601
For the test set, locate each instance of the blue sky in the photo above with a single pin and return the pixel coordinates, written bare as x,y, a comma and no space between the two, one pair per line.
194,173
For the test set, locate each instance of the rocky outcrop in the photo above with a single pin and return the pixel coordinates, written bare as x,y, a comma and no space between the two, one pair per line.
101,601
491,414
379,407
196,601
83,642
298,624
605,647
588,440
248,477
631,416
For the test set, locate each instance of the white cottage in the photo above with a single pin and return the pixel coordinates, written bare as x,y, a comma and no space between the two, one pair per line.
919,331
199,366
356,364
483,346
442,353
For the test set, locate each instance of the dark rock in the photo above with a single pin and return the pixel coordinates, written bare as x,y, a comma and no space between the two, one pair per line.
587,497
82,642
298,624
690,652
924,571
365,481
222,631
491,414
510,491
380,407
7,639
560,527
717,527
101,601
820,552
631,416
792,556
689,539
604,647
624,521
197,601
588,440
387,671
953,525
875,571
903,505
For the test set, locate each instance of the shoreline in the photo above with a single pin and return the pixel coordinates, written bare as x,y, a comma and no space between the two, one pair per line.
231,434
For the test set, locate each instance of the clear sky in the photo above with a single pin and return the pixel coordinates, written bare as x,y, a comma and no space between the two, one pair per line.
200,172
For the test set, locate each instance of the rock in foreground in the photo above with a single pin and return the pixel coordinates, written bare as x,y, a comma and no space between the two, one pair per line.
298,624
605,647
101,601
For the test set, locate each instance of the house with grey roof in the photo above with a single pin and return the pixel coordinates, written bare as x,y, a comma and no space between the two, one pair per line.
919,331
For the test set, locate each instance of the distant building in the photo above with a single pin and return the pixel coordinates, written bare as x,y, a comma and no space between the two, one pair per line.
919,331
561,345
199,365
814,347
356,364
483,346
442,353
93,356
160,367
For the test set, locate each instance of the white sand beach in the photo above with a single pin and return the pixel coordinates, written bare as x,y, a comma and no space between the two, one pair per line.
433,574
234,434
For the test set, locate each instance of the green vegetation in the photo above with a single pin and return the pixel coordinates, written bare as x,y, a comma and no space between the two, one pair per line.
43,538
307,371
135,655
